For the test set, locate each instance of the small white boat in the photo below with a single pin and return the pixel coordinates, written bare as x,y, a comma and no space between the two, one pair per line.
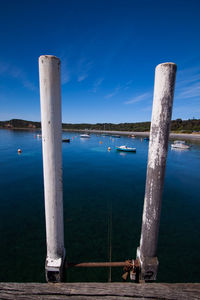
179,145
85,135
126,149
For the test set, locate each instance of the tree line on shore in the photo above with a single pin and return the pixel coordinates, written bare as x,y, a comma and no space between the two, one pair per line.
179,125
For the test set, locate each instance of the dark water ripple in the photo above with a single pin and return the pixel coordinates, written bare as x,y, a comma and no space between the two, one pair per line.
94,179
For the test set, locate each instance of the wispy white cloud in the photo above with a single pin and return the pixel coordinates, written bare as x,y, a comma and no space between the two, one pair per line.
17,73
65,74
65,68
82,77
139,98
188,83
147,108
3,67
74,66
119,88
65,77
112,94
97,83
83,68
189,80
128,84
192,91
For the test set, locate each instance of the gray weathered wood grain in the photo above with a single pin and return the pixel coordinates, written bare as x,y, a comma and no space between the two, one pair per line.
106,291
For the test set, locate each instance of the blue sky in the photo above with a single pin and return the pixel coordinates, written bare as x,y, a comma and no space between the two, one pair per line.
108,50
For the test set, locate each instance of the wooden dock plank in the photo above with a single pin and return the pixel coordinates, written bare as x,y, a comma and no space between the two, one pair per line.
29,291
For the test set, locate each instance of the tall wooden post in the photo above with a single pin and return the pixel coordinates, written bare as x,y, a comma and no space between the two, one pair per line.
50,99
165,76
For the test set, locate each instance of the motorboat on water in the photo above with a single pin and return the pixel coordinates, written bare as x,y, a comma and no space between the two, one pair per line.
66,140
179,145
125,149
85,135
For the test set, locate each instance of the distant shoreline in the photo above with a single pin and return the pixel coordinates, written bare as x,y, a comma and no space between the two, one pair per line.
187,136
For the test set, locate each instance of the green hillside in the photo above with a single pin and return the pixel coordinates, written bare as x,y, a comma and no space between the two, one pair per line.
181,126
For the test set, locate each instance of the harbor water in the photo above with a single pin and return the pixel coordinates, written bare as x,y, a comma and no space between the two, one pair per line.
103,193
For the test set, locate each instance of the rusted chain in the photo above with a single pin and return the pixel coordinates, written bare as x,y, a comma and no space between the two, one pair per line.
127,268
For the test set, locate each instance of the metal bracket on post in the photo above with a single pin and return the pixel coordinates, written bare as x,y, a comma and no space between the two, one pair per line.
148,267
54,269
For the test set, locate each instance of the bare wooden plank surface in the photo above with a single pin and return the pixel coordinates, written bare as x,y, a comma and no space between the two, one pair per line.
106,291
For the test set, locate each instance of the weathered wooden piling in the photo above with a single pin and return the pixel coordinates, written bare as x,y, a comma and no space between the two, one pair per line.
165,75
50,99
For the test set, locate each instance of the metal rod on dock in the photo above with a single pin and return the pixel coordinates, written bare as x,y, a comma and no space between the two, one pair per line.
165,76
50,99
97,264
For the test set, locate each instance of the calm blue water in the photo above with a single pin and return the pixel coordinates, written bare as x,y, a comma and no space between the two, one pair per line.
94,181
